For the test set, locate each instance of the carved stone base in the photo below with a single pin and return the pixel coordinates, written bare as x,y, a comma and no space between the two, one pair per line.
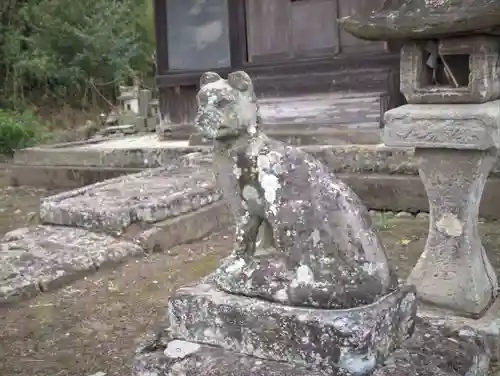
355,339
433,350
454,271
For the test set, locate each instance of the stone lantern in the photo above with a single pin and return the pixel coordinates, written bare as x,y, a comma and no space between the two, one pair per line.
450,76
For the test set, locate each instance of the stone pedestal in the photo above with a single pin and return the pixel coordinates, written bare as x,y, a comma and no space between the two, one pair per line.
218,334
454,270
356,339
456,149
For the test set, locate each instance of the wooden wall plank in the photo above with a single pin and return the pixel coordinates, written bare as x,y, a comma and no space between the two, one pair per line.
314,27
349,43
268,28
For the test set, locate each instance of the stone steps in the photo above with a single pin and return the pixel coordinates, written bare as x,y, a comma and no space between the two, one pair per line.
98,225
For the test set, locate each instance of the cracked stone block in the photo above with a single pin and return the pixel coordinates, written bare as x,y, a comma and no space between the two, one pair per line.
145,198
355,339
472,61
40,258
450,126
432,350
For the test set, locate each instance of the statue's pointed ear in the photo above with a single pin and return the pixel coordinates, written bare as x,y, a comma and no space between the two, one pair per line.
240,81
208,78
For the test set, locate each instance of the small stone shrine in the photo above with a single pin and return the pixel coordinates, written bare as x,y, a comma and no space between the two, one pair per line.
308,289
138,112
450,76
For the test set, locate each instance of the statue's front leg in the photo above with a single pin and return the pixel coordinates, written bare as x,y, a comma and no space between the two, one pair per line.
247,229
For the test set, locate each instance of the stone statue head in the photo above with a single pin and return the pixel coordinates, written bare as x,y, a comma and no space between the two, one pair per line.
226,108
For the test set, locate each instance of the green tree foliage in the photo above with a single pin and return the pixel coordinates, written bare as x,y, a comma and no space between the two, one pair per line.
17,131
58,54
71,51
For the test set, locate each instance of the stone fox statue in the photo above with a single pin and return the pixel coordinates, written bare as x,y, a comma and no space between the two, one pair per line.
303,237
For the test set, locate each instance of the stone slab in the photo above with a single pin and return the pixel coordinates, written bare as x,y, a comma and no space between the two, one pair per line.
452,126
211,361
145,198
488,324
118,129
63,177
40,258
378,158
143,151
319,136
431,351
183,229
356,339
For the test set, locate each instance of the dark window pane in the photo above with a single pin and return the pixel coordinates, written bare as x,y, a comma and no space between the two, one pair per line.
198,34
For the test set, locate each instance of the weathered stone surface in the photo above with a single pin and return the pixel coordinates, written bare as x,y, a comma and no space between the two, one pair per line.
338,158
43,257
474,66
438,351
211,361
185,228
144,151
454,270
356,339
466,126
147,197
424,19
307,136
118,130
488,325
433,350
318,247
63,177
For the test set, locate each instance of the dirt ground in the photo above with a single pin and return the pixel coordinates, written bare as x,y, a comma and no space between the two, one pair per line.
18,206
92,326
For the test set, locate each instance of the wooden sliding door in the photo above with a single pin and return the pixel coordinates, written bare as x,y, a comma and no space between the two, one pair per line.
286,29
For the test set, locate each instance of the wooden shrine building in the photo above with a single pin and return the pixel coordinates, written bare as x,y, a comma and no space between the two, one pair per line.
289,47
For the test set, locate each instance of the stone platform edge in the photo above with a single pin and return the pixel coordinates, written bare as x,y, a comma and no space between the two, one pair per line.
379,191
446,352
27,281
385,178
